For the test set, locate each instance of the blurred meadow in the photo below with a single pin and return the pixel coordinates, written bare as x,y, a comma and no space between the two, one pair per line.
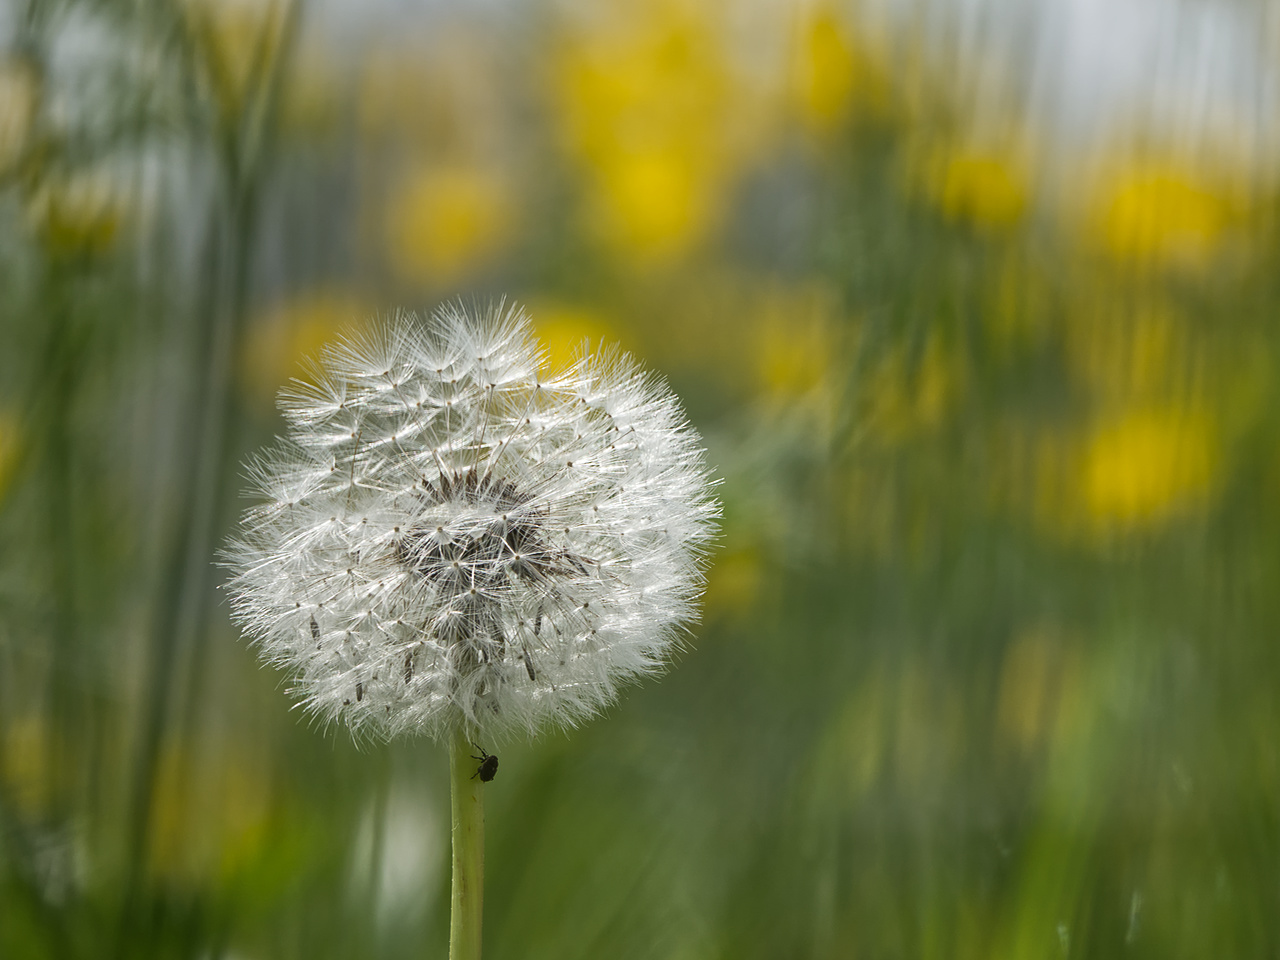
977,308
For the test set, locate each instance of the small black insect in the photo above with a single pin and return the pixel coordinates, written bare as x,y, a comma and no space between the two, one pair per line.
488,768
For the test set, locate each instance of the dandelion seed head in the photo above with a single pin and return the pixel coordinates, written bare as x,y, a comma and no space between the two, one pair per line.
452,536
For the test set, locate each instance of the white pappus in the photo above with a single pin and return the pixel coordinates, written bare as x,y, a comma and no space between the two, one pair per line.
453,537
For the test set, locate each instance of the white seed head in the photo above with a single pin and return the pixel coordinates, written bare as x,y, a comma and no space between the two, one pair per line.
453,537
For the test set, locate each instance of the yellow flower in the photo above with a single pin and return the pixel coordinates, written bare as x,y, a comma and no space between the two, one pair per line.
292,332
988,190
826,65
984,186
1163,215
1142,467
654,202
832,72
446,220
1134,469
650,107
564,330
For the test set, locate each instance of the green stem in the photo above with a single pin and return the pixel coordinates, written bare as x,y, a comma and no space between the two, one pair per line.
468,851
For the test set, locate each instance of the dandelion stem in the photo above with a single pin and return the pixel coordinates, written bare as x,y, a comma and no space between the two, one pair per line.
468,851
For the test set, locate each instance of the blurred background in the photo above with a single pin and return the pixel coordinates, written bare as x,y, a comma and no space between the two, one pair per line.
976,305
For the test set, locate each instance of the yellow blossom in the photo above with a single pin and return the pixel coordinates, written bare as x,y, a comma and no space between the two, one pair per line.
833,72
983,185
650,106
826,65
654,202
445,220
1145,466
565,329
294,331
1163,215
1134,468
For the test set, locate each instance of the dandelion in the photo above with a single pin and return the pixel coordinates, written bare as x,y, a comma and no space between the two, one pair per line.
450,538
457,543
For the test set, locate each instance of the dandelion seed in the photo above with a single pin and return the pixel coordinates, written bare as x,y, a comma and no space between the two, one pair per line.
453,538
